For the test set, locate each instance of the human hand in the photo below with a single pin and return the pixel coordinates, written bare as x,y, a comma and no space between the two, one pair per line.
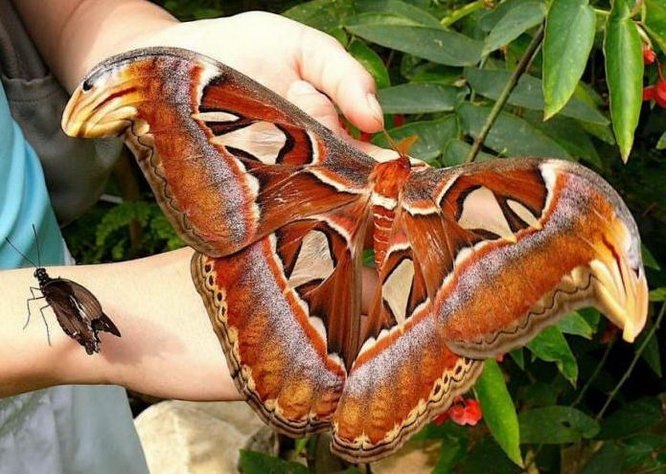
291,59
308,67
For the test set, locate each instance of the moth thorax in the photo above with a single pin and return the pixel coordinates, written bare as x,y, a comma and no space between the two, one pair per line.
388,179
382,220
42,276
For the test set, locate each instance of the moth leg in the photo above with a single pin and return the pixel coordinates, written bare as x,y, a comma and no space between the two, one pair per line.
41,311
27,304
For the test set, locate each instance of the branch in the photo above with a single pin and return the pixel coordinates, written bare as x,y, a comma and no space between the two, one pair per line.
506,92
637,356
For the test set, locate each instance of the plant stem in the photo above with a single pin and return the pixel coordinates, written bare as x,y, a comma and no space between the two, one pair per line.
506,92
591,378
462,12
637,356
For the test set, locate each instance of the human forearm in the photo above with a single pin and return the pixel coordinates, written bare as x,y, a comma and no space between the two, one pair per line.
167,346
74,35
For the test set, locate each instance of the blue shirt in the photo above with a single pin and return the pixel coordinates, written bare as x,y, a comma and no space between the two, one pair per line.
66,429
24,200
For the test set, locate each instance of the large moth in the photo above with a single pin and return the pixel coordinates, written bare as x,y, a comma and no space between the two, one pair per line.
472,261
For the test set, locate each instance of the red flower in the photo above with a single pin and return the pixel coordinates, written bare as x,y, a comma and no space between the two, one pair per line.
398,120
656,92
649,56
365,137
463,411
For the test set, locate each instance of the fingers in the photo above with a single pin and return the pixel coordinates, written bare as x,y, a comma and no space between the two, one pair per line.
325,63
318,106
315,104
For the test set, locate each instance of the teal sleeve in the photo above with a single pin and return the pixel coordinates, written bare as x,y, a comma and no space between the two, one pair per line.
65,429
24,201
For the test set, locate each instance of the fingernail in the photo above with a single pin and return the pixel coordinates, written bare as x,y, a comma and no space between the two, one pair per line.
375,108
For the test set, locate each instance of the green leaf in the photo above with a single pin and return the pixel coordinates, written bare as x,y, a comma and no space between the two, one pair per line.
451,452
399,9
640,415
537,394
607,460
575,324
486,453
300,445
648,259
491,17
432,136
651,355
435,44
658,294
371,62
456,151
516,21
528,93
518,357
661,144
418,98
655,21
570,27
510,135
498,410
592,316
324,15
551,346
641,450
555,425
624,73
569,134
252,462
415,70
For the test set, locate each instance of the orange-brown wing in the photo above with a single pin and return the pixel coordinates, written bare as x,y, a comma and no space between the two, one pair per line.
286,309
509,246
404,373
479,259
228,160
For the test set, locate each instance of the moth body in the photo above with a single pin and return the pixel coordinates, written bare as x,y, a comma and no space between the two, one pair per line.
77,310
388,180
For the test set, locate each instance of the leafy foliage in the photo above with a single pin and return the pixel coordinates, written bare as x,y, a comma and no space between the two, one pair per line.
477,80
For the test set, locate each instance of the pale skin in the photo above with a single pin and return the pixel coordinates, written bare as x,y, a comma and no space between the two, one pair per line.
168,347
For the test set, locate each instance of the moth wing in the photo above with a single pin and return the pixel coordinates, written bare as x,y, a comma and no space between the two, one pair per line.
229,160
512,245
404,373
104,323
59,294
286,310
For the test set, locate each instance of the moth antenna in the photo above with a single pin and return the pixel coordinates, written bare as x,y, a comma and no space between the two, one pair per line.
402,146
21,253
390,141
39,258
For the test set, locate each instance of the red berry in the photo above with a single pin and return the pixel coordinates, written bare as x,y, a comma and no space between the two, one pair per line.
649,56
660,93
656,92
462,412
399,120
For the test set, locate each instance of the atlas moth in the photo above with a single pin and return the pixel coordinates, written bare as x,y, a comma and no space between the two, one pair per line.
472,261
